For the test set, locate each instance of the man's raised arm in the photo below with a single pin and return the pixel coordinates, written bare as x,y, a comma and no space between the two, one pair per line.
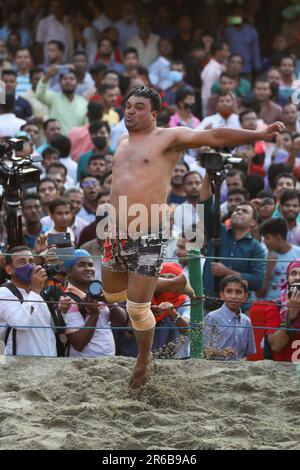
185,138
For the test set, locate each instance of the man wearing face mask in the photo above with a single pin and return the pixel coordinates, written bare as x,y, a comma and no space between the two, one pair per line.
100,135
22,307
185,101
176,75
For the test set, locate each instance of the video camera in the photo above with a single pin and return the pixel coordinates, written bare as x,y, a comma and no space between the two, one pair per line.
215,162
15,169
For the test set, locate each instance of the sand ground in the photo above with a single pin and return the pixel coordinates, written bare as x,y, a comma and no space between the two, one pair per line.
192,404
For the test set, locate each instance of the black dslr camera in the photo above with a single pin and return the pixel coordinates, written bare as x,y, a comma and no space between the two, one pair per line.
52,270
293,288
215,162
95,290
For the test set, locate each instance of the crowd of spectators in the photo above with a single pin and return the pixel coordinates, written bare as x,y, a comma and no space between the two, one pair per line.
65,77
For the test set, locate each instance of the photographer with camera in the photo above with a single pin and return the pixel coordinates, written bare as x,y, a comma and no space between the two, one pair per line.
87,342
22,308
282,344
236,243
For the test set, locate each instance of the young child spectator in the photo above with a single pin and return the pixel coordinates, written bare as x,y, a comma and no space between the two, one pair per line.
223,336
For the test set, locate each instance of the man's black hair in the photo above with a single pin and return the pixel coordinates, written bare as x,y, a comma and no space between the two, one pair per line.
99,67
47,122
275,226
96,156
245,112
289,56
254,184
217,46
189,173
60,45
57,165
63,144
35,70
264,194
130,50
47,180
97,125
276,169
28,196
16,249
58,202
49,150
182,93
105,87
94,111
148,93
288,195
242,191
9,72
285,175
234,172
236,279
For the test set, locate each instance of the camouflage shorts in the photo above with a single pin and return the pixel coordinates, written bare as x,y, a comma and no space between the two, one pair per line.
141,256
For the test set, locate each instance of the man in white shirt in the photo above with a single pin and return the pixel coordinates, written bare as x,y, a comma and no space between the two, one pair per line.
212,71
145,42
27,281
225,115
189,215
101,21
159,71
56,26
9,123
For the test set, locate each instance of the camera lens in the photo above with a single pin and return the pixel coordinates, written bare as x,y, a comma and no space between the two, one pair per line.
95,289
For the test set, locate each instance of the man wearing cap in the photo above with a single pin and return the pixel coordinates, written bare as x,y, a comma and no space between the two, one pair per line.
85,342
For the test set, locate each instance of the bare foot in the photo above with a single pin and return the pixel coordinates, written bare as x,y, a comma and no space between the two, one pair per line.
182,285
141,372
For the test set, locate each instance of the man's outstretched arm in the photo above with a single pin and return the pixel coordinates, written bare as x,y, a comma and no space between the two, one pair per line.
187,138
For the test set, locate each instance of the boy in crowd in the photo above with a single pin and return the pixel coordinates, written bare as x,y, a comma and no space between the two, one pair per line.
222,327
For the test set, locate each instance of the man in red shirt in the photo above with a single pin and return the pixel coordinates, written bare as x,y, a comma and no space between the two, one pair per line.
285,344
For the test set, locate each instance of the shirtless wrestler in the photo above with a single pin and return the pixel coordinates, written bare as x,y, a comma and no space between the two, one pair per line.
142,170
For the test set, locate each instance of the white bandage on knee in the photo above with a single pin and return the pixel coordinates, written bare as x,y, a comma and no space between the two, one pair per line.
141,317
114,297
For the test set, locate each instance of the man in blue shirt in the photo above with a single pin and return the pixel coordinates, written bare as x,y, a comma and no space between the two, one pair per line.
237,244
243,39
228,332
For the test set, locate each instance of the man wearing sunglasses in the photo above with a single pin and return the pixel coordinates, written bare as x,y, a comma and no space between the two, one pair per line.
91,188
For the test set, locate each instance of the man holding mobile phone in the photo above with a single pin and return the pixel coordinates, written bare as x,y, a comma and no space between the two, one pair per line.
61,214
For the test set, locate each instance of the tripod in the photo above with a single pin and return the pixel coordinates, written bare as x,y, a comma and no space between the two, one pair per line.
217,178
13,209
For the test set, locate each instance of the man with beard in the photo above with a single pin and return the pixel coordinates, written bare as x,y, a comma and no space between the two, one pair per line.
289,208
65,106
186,215
225,115
177,194
290,118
